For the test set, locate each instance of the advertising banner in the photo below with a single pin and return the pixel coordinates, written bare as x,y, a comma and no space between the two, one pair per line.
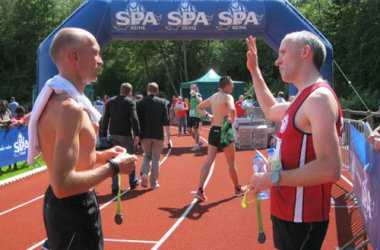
184,17
365,172
13,145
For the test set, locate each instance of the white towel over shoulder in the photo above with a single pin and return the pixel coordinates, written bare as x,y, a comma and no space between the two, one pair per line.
59,85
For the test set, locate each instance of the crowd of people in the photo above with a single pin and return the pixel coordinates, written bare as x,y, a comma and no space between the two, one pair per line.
64,125
12,114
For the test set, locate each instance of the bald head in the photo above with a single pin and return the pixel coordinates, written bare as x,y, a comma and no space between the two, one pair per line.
69,39
318,48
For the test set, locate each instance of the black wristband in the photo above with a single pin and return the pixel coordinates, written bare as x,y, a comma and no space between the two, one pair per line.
115,166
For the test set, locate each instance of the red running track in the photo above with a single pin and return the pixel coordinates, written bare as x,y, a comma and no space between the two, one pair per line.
169,217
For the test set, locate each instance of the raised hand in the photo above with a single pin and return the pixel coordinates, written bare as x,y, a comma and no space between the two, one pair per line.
252,61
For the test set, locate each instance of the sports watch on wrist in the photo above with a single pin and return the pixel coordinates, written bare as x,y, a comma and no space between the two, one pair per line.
115,166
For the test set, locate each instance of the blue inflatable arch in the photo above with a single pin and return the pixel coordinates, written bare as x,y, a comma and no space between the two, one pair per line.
107,20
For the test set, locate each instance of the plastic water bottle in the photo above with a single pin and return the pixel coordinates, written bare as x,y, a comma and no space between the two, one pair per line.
259,167
274,160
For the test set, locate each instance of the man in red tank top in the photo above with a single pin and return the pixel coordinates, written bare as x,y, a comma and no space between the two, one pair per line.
308,142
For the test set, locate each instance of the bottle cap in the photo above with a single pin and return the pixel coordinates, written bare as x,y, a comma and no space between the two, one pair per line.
270,151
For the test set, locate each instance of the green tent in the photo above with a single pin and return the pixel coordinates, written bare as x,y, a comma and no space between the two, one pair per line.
208,85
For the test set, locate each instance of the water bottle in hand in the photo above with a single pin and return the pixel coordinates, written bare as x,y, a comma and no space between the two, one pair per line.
259,167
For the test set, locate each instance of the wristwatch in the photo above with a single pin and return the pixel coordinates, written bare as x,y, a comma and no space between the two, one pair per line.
275,178
115,166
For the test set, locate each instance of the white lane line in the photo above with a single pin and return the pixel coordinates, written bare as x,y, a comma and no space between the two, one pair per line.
37,245
183,216
106,204
21,205
22,176
345,179
131,241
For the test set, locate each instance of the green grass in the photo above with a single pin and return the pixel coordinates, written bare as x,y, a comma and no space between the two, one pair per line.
22,167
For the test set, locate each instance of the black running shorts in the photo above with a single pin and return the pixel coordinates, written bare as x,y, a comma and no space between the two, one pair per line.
214,137
73,222
290,235
193,122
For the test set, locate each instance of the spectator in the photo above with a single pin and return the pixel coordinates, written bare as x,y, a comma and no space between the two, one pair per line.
99,105
120,118
181,108
291,98
13,105
240,112
280,97
105,99
374,139
5,115
187,101
174,100
19,118
153,116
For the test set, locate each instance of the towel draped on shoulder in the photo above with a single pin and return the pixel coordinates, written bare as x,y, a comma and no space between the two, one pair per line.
59,85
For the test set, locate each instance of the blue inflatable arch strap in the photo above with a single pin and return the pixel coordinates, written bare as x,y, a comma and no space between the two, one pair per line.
108,20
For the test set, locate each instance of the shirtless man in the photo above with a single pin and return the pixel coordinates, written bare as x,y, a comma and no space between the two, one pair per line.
63,127
222,105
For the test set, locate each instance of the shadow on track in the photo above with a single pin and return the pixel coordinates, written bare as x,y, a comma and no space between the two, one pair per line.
198,210
131,194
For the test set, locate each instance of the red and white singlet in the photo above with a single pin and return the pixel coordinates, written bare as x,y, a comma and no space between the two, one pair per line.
301,204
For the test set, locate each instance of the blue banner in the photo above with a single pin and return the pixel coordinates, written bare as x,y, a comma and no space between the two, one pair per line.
365,169
165,17
13,145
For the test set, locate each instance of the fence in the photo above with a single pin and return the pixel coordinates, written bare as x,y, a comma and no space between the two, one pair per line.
367,116
364,166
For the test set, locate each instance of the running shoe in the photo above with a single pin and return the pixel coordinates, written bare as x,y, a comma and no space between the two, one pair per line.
134,184
200,196
240,191
144,180
195,148
155,186
200,143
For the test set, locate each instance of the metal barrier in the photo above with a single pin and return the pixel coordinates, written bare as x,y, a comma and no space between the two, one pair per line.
364,129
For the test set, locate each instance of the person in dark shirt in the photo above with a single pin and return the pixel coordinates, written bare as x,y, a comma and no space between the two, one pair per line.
153,116
120,117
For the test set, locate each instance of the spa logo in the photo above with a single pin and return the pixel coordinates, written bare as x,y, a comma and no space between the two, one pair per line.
187,17
237,17
135,17
20,146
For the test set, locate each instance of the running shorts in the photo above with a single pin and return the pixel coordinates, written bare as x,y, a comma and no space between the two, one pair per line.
214,137
193,122
73,222
289,235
